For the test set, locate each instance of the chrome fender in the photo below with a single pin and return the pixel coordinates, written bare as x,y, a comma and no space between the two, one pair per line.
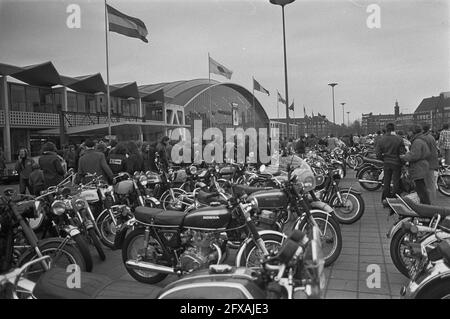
300,219
322,206
397,226
249,239
349,189
440,271
153,200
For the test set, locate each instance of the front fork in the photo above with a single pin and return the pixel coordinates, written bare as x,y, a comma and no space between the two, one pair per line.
256,237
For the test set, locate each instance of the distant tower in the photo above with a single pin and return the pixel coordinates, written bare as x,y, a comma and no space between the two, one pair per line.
396,109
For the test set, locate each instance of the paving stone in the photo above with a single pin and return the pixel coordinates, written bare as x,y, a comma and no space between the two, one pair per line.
340,294
345,265
341,284
344,274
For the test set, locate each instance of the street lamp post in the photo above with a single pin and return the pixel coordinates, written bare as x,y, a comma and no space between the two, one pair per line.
343,108
348,118
332,90
282,3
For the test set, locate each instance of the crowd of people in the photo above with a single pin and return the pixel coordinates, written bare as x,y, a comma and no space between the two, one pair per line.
420,150
100,157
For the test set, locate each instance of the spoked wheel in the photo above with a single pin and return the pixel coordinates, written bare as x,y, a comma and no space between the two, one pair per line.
173,202
350,209
108,229
62,255
97,243
371,174
133,249
330,233
400,244
252,255
444,184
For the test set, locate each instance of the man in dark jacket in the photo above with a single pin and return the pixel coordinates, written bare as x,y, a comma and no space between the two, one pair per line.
24,166
161,150
433,161
51,165
93,162
117,158
418,164
388,149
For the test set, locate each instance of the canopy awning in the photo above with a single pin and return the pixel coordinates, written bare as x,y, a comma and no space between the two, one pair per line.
43,74
124,90
87,84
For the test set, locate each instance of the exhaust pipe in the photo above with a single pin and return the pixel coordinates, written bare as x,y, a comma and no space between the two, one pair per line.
368,181
142,265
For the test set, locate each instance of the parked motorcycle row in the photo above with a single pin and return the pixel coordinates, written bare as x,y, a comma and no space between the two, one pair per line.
281,227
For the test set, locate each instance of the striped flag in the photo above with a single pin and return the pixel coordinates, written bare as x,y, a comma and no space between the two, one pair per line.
126,25
259,87
217,68
280,99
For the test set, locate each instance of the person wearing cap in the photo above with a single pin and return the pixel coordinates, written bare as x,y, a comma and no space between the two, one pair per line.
93,162
418,164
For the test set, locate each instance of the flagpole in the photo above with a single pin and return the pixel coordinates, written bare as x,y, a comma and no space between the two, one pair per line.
209,79
278,110
253,94
107,72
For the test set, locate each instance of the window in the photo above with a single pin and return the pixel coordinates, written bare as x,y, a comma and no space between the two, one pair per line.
71,102
91,107
81,103
57,102
17,97
33,99
47,101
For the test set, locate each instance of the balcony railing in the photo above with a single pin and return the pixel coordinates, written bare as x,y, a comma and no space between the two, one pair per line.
72,119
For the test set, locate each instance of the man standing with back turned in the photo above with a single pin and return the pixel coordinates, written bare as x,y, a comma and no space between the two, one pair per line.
388,149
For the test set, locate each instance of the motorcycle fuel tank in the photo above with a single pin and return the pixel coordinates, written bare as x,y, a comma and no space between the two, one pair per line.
270,199
234,283
208,218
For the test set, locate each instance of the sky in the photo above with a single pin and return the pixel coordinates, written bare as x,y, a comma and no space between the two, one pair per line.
406,59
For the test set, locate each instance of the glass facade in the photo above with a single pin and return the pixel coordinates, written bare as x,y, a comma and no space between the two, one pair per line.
153,111
224,107
26,98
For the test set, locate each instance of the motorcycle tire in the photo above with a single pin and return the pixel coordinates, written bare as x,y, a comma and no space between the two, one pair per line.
444,184
439,289
369,171
83,248
395,247
323,219
135,273
271,241
97,244
105,224
71,252
353,216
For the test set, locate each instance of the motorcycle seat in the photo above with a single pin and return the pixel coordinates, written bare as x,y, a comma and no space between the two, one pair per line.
277,173
206,198
427,210
240,190
158,216
372,161
53,285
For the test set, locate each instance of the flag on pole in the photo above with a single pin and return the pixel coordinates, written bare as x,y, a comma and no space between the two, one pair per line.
126,25
217,68
259,87
280,99
292,106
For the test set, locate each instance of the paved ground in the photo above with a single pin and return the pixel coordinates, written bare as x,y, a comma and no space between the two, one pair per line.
365,248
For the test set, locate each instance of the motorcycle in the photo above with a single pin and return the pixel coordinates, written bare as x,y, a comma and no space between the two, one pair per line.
432,222
443,179
432,279
19,244
164,242
59,223
295,270
347,203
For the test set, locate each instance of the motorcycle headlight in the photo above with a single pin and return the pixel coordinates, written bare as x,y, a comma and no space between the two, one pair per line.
442,161
193,170
217,168
143,180
58,207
